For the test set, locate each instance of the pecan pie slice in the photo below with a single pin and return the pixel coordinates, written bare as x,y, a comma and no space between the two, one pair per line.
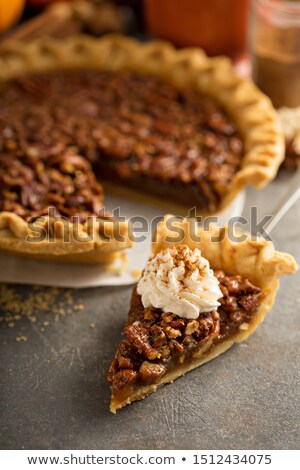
177,126
183,314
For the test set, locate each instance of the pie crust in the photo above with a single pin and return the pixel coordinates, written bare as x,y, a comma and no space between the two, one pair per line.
255,260
100,242
250,109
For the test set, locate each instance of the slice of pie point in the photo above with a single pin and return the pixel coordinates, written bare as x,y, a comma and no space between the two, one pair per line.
201,292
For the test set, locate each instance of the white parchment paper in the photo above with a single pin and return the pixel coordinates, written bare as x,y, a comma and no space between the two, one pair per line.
25,271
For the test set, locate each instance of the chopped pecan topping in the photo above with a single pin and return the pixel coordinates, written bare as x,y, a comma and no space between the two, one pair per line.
192,327
124,378
158,337
176,347
134,129
248,303
138,336
29,186
239,301
125,362
155,341
172,333
151,372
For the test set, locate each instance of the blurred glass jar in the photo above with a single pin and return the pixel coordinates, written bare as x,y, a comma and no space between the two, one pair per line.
275,49
218,26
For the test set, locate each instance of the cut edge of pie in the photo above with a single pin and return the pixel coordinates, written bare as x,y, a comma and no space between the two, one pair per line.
142,392
251,110
255,260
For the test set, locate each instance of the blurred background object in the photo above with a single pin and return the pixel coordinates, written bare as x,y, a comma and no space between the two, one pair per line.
43,3
218,26
10,12
275,50
61,19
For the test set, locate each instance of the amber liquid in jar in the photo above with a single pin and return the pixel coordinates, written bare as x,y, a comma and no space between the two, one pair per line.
218,26
276,50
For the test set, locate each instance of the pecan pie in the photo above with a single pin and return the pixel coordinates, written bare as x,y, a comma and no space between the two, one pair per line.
175,125
159,346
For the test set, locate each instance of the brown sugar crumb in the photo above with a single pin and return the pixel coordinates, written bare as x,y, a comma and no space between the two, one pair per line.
121,266
53,301
136,273
79,307
21,339
92,325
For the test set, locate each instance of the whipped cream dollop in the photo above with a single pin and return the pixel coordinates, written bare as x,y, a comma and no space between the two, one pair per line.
179,280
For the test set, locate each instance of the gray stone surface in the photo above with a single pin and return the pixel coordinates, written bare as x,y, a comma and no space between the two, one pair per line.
53,391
